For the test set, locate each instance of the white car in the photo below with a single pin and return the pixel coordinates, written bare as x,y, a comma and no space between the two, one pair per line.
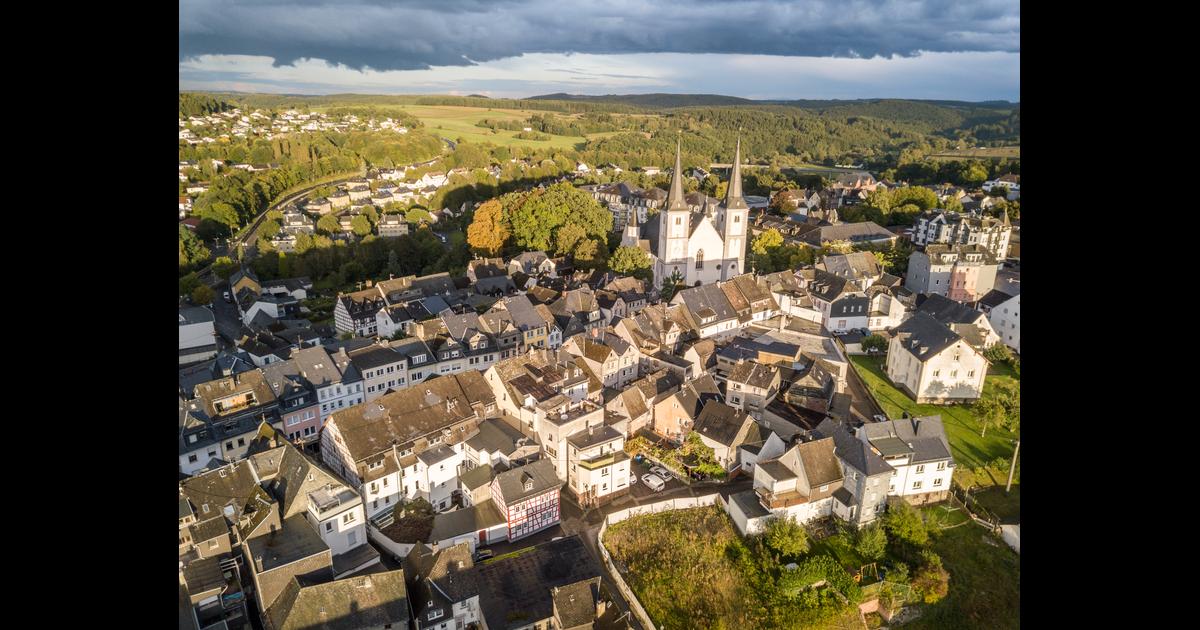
633,480
654,482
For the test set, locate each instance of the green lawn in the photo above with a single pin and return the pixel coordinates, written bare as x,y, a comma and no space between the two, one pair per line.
985,583
459,122
962,429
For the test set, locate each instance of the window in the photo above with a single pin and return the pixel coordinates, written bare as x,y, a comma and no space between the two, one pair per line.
348,517
936,372
920,469
192,458
212,544
385,482
941,466
328,527
937,482
434,614
229,445
971,374
953,373
916,485
678,221
241,441
191,439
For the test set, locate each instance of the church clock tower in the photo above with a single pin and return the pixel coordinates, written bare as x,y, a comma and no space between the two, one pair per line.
737,213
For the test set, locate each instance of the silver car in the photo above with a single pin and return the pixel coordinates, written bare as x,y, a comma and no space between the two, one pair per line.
661,472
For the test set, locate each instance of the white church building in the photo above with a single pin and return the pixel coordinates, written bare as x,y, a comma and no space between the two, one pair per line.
705,244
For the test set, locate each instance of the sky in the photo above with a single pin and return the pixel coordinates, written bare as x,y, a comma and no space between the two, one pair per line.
757,49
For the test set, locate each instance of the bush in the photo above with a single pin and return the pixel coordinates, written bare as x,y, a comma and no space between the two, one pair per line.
931,581
874,343
998,353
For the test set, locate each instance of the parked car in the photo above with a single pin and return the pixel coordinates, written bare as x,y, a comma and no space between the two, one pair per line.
661,472
633,480
227,298
483,554
654,482
880,418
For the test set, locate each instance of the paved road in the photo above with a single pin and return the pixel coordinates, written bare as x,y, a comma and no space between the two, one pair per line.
228,323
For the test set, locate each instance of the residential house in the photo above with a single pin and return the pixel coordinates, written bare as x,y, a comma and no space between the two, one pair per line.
528,498
724,429
861,268
598,467
1005,319
953,228
934,364
961,272
917,451
656,332
299,410
856,233
363,602
576,311
635,404
801,484
707,310
337,382
676,412
375,446
866,476
533,264
554,585
612,359
751,386
497,443
223,418
971,324
197,335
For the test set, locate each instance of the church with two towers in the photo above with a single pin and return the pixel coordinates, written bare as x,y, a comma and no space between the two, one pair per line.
703,244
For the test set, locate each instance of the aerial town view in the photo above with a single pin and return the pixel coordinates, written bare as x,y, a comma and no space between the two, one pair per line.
536,315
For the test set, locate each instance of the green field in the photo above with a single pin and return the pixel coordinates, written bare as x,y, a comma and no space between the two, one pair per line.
459,122
962,429
983,153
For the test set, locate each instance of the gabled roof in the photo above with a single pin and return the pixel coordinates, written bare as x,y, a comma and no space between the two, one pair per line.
854,452
353,603
924,336
948,311
925,436
512,483
753,374
721,423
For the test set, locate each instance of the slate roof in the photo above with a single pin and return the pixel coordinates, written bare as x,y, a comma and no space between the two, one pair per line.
854,452
592,436
820,464
708,297
948,311
924,336
994,298
855,265
294,541
541,472
576,603
195,315
353,603
402,416
753,374
924,435
495,436
447,525
720,422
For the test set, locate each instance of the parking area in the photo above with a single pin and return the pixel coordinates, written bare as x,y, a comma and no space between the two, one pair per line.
640,489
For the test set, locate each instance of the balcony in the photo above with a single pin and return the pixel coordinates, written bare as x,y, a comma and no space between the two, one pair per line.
776,500
604,460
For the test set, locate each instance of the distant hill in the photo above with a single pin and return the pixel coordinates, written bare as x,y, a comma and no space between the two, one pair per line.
652,100
709,100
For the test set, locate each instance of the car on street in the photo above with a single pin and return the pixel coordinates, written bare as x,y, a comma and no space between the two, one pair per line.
227,298
654,482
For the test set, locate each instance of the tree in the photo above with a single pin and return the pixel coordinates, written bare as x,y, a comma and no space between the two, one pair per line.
999,405
874,343
329,224
871,542
567,238
631,261
361,225
393,264
202,294
768,240
188,283
590,254
837,247
269,228
998,353
304,242
786,537
669,285
904,523
224,267
191,249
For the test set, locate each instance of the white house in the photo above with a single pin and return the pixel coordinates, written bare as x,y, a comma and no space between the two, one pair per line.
1005,319
934,364
197,335
918,453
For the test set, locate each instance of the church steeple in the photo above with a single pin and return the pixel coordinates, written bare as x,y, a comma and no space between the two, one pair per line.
632,232
675,200
733,195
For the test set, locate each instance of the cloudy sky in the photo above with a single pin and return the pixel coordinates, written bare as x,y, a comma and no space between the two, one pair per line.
760,49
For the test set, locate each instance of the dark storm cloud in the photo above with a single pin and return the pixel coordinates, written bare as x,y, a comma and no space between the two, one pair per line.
416,35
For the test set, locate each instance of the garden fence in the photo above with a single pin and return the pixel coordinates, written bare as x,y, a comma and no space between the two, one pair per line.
978,513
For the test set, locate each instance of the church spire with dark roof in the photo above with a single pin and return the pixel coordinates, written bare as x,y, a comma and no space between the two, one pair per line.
675,200
733,195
